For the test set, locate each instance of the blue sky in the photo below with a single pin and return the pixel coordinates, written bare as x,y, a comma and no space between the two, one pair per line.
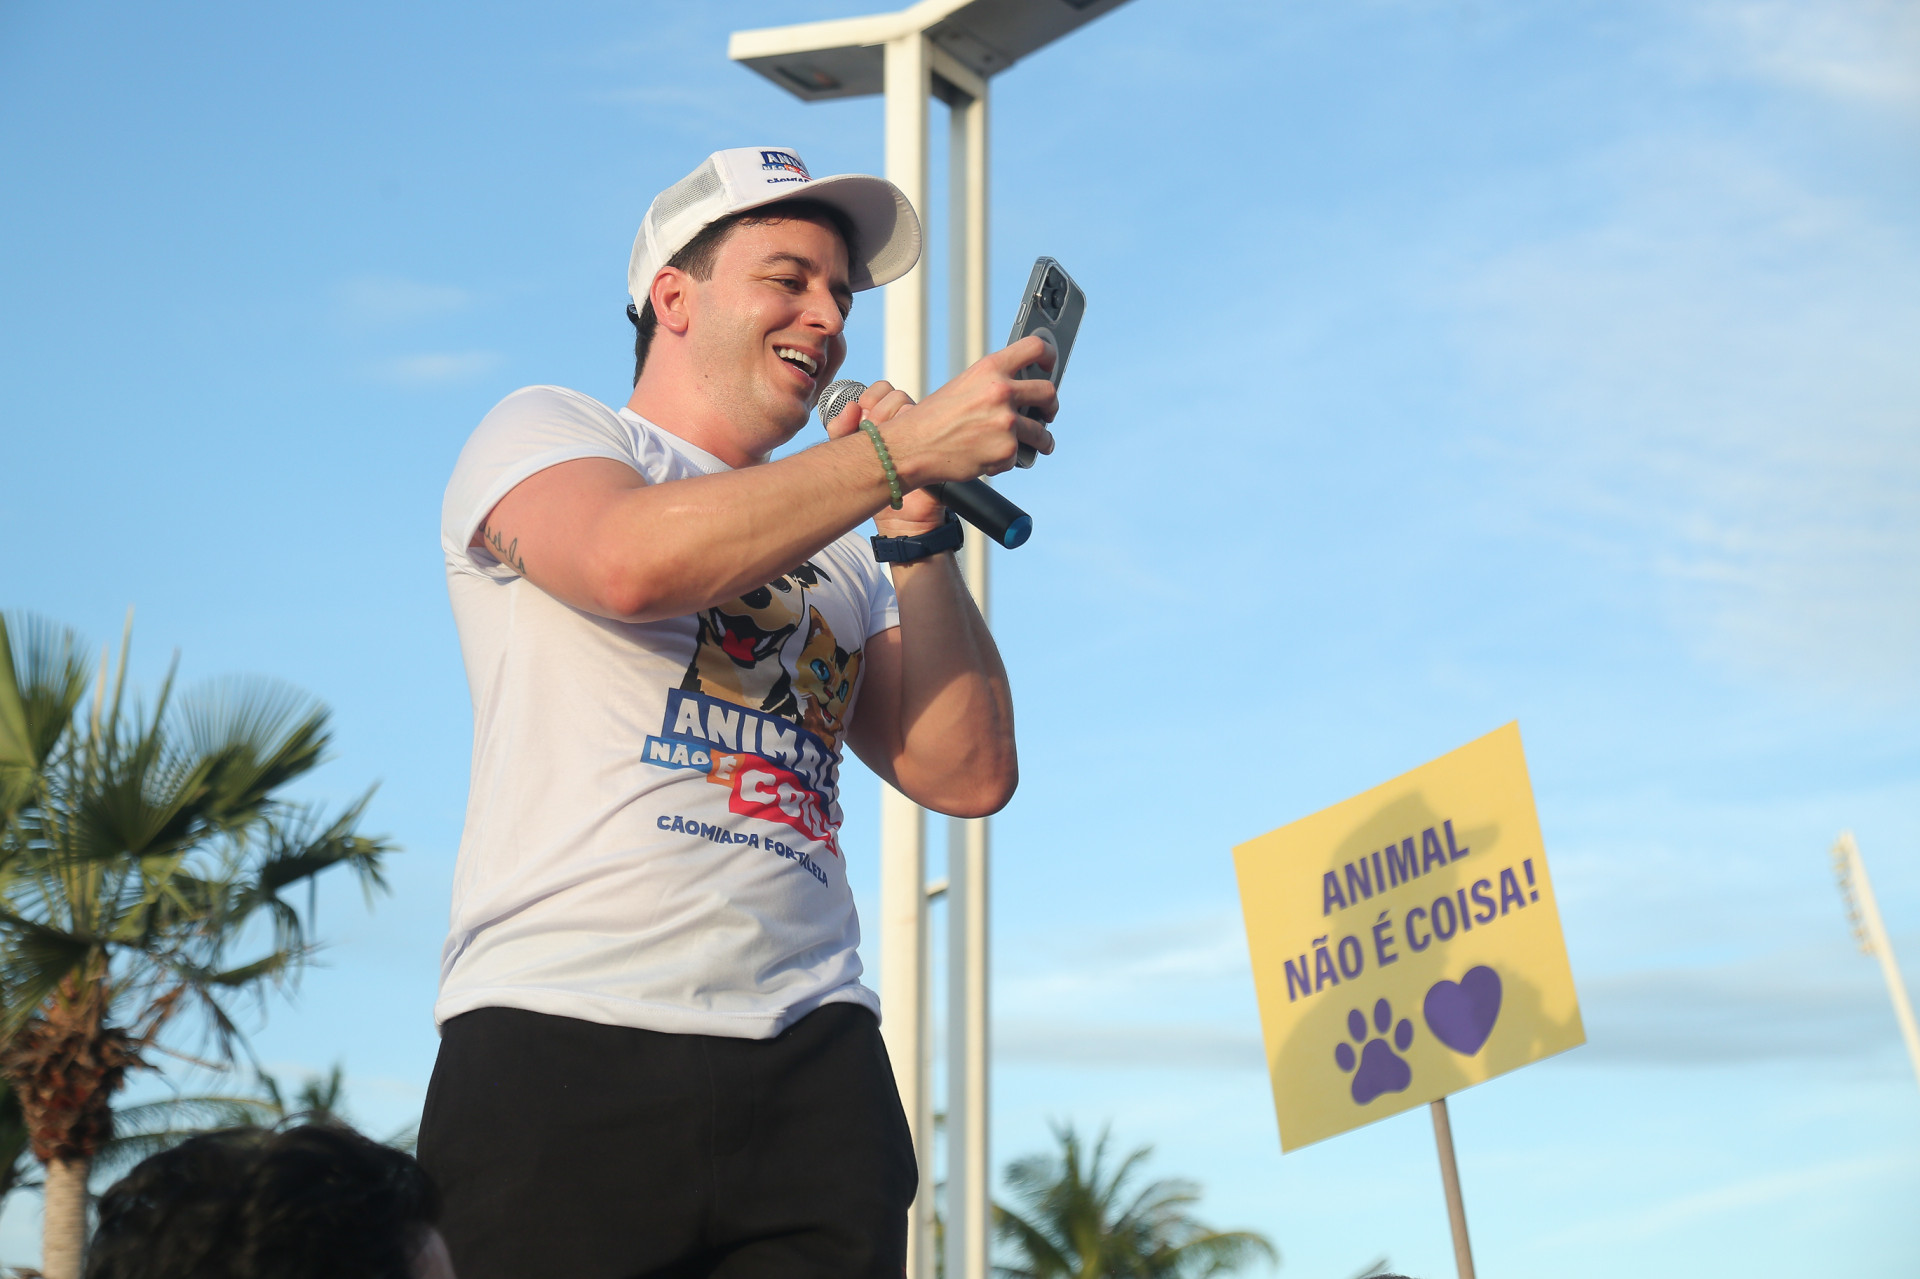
1446,364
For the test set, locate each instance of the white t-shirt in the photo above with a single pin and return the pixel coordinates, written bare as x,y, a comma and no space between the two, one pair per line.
651,832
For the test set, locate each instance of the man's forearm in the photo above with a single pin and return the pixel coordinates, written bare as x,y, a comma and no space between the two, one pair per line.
956,748
593,534
640,552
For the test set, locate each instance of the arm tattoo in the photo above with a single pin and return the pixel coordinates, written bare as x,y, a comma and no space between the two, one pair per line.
507,553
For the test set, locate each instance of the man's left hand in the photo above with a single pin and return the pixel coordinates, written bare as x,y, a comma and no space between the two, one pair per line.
920,512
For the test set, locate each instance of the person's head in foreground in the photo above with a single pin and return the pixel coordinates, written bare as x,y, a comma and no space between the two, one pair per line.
315,1202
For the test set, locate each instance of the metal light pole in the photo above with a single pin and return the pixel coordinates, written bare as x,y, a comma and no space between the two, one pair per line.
945,49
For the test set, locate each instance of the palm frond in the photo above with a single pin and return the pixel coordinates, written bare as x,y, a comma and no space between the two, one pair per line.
300,844
1160,1200
151,1127
1218,1253
34,962
1080,1217
269,968
1042,1254
43,678
140,806
258,734
193,1112
193,992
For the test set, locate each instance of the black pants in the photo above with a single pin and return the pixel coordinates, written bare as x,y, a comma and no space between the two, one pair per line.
570,1150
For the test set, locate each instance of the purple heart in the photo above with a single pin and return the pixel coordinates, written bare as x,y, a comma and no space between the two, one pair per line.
1461,1014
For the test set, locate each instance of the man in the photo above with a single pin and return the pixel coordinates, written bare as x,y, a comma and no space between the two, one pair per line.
318,1201
657,1057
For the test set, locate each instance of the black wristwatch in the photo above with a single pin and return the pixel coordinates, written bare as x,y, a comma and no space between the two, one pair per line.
905,550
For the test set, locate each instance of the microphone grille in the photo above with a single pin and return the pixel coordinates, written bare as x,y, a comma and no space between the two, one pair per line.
834,400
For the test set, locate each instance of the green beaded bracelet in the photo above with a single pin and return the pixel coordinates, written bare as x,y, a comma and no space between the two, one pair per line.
886,459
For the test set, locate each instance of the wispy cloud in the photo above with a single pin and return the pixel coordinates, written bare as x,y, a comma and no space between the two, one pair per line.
1810,1002
1054,1042
1121,966
1862,50
1713,383
437,368
1683,1211
373,299
1176,993
1173,992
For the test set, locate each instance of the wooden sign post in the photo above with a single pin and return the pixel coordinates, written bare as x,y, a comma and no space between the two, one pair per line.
1450,1182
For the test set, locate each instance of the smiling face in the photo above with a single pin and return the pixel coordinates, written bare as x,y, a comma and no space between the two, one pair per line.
767,331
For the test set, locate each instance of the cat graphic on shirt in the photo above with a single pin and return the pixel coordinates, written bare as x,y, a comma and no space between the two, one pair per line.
824,680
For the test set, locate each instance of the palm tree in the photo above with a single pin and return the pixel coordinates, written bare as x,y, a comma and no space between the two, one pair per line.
1082,1222
139,850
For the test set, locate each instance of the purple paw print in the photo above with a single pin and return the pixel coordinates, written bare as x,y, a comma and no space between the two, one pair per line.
1381,1068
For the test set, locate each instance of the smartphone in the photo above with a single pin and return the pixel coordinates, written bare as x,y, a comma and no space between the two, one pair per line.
1051,307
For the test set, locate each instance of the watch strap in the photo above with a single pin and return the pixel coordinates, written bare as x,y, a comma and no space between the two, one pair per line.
905,550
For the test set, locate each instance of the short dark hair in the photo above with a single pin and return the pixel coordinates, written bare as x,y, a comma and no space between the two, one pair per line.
696,258
315,1202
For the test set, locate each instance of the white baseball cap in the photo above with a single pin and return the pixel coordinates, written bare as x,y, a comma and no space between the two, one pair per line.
886,230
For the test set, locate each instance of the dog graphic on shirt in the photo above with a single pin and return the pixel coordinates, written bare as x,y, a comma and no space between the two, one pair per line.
737,651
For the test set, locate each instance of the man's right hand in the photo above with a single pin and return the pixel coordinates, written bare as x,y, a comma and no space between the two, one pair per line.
974,425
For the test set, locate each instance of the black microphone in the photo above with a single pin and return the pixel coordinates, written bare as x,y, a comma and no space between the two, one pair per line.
975,501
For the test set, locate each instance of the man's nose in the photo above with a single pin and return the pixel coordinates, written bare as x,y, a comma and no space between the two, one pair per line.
825,309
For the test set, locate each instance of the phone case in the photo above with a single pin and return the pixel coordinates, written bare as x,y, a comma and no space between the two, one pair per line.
1051,306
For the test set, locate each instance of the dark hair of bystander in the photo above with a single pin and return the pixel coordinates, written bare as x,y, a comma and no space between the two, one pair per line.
318,1201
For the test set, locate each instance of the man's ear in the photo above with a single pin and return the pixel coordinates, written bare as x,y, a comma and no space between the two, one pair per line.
672,297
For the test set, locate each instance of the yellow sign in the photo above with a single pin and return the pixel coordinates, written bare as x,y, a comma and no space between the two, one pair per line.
1406,943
